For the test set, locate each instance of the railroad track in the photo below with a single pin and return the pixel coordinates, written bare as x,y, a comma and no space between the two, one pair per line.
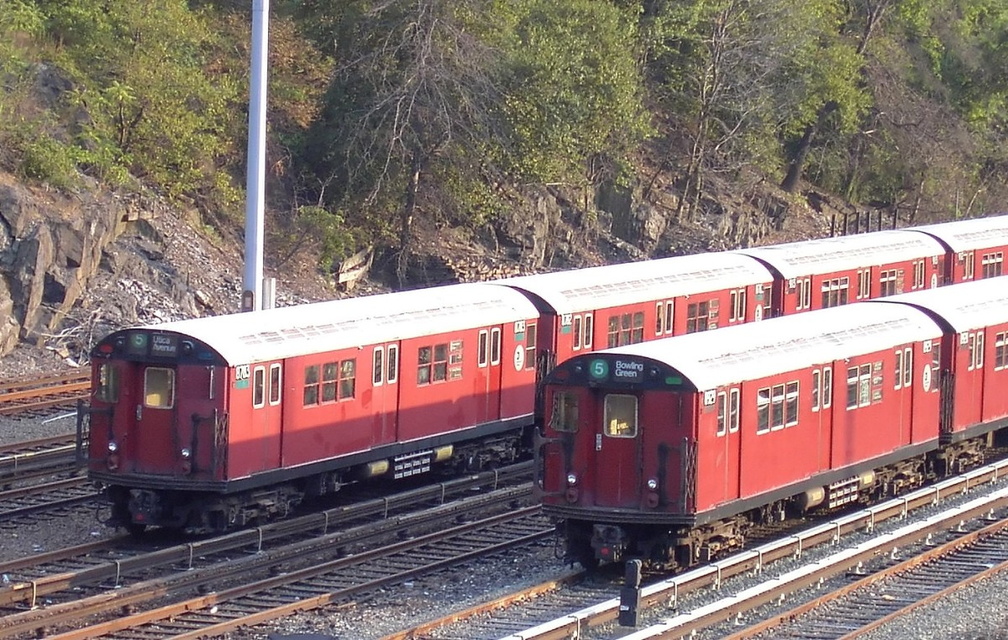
877,596
37,459
556,610
67,593
40,396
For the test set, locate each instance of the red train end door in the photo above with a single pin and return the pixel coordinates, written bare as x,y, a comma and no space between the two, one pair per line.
617,454
153,446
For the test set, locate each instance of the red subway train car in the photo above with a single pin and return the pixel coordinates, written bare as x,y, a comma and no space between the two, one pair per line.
670,451
210,423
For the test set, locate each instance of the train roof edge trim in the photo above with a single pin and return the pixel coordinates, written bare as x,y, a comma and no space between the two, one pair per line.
603,287
967,234
825,255
319,327
977,304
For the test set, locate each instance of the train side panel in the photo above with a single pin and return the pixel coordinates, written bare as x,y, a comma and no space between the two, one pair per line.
326,412
781,438
519,361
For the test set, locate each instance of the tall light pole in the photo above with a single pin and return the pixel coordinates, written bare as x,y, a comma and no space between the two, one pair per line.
252,293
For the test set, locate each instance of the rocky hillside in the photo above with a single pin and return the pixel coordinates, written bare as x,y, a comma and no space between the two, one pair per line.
76,266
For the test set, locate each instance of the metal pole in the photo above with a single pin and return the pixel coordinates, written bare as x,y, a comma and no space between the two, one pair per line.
255,183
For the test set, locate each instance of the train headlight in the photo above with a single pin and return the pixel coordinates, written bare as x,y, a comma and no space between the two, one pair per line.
186,453
652,484
571,479
113,446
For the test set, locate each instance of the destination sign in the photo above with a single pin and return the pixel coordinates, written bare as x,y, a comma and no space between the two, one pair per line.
622,370
164,345
628,370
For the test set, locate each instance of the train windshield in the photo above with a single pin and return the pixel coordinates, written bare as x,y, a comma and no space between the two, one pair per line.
565,411
620,416
159,388
108,383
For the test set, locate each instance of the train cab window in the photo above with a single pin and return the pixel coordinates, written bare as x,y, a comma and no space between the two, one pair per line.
258,387
565,412
392,364
620,416
275,386
311,385
108,383
159,388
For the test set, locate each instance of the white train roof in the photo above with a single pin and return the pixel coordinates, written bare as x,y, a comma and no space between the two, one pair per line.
826,255
323,326
759,349
966,306
632,282
974,233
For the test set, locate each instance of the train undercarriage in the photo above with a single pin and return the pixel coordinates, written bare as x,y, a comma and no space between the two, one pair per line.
136,509
669,547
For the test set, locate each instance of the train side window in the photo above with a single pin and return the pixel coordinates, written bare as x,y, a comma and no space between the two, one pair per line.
620,415
669,317
108,383
275,386
159,388
258,387
483,350
791,404
613,333
816,388
722,413
763,410
1000,351
392,364
907,367
565,412
347,378
733,410
588,331
329,375
576,330
659,318
637,334
530,345
978,352
495,346
898,378
777,407
827,388
377,367
440,362
311,385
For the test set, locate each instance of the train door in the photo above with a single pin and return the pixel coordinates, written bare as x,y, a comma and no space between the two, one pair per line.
617,458
152,448
488,374
262,440
384,393
728,433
